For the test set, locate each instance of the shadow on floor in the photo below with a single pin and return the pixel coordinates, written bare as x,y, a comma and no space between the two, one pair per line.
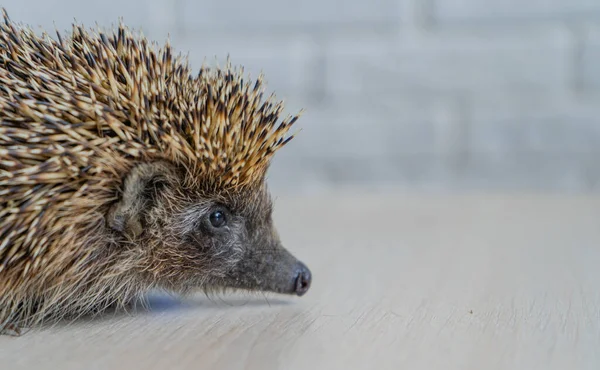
159,303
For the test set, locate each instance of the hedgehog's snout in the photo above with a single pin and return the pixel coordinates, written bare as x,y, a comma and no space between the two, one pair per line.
302,280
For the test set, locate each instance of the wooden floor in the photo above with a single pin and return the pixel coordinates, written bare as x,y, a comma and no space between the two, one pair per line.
400,282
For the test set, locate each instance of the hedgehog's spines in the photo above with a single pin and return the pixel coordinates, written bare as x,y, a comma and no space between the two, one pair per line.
80,110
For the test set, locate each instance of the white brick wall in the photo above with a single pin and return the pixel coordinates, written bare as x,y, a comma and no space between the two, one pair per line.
511,10
156,17
591,58
442,94
451,62
520,126
285,13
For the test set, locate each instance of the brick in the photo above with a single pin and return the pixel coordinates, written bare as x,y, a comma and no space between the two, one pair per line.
510,127
449,63
318,174
155,17
377,128
525,173
268,13
515,142
533,173
590,71
512,10
288,63
387,141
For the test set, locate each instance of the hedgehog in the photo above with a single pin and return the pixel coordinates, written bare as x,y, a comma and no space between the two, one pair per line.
122,171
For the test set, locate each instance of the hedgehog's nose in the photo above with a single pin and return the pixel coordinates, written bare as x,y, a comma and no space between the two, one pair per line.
303,279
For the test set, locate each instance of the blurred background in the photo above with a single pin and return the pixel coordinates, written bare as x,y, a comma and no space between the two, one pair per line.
427,95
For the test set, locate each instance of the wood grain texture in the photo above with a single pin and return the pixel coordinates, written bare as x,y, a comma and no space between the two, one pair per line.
400,282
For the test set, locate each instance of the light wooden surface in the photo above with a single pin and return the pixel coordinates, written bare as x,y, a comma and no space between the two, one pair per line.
400,282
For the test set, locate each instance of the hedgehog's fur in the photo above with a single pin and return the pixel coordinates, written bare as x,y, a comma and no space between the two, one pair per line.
111,153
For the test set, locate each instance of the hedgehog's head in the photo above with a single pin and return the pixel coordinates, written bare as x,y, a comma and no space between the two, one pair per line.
188,237
203,218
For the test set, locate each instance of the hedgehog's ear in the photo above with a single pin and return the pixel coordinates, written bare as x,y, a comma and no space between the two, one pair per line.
140,188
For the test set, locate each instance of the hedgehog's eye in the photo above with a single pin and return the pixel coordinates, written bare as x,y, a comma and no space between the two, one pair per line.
217,219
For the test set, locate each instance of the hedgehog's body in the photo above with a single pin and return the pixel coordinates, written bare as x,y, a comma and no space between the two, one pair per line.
121,172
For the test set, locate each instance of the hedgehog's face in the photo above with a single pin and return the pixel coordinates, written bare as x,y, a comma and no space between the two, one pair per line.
192,239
